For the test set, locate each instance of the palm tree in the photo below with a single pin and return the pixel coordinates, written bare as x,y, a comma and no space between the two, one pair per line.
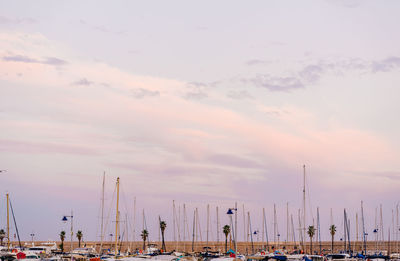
2,235
226,229
79,235
62,237
311,233
163,226
332,229
144,236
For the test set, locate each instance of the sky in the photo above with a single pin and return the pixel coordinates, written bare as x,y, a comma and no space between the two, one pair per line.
201,102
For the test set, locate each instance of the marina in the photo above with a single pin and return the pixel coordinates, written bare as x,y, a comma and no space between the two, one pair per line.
199,130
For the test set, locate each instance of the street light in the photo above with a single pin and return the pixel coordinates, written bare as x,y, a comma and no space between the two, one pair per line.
256,232
230,213
278,239
32,235
376,238
65,219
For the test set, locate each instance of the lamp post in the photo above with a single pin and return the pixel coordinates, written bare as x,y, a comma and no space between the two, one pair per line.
32,235
230,213
278,239
65,219
376,239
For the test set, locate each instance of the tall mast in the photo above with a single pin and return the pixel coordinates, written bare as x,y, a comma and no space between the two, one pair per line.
8,221
301,238
393,224
275,226
178,222
397,228
197,224
304,202
355,243
126,229
173,218
293,231
319,232
236,228
102,214
117,220
251,233
345,230
194,228
134,221
263,227
376,229
266,229
248,231
287,222
217,225
245,238
381,225
363,229
208,224
184,227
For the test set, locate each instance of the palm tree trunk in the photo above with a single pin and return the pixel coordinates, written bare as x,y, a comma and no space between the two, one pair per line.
79,243
332,246
144,244
310,245
226,243
163,242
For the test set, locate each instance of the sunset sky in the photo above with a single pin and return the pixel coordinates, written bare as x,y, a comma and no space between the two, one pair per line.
198,102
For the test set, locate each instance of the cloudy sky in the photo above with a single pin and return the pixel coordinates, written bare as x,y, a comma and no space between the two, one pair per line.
199,102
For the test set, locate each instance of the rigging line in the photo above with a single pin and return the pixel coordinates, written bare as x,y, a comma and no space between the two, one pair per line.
99,215
125,202
110,210
15,222
309,196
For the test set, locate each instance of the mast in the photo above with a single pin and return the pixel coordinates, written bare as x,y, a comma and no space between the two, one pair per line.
245,238
263,227
217,225
117,220
275,230
194,228
345,230
173,219
102,214
266,229
393,223
178,223
376,230
304,203
198,225
126,229
319,232
251,233
355,243
184,227
208,224
301,238
397,228
236,228
287,222
363,229
293,231
8,222
15,224
134,222
381,226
